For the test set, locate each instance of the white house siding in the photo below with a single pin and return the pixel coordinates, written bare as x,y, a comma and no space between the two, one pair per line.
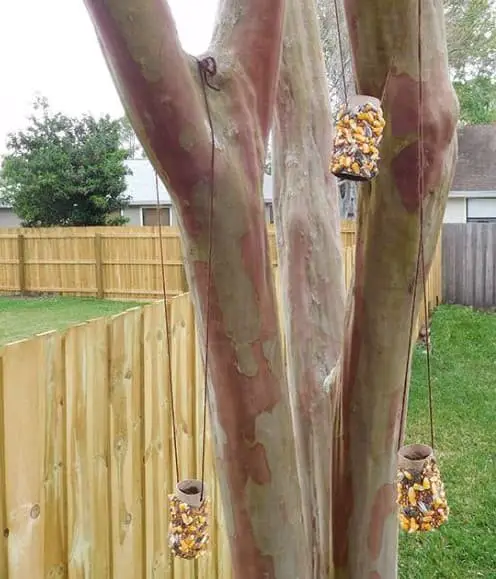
456,210
8,218
133,214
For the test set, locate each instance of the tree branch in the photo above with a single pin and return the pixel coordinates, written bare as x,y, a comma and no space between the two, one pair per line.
375,354
251,31
310,261
153,77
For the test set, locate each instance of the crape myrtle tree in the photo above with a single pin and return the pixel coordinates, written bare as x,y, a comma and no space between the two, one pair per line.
306,453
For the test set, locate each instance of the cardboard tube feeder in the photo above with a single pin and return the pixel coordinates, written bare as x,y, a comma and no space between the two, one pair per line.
420,490
188,526
358,132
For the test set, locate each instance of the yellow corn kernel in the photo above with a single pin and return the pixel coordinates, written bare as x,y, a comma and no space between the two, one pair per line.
412,497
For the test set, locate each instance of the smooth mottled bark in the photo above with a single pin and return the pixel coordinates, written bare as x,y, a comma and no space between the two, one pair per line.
295,444
377,327
310,262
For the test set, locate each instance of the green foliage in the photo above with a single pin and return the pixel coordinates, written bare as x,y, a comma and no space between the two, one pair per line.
471,36
463,367
477,100
64,171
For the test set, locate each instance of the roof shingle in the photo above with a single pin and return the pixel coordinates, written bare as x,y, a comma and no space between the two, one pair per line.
476,165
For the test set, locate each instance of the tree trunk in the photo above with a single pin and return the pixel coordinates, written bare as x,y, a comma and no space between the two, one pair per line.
249,403
376,347
310,263
274,427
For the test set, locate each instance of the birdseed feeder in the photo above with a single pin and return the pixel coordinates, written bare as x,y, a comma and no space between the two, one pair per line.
188,528
420,491
358,133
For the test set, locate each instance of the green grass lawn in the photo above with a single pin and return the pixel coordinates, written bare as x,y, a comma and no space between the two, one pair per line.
24,317
463,366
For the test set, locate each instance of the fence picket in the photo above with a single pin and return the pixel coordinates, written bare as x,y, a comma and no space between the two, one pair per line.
35,472
88,474
126,435
159,471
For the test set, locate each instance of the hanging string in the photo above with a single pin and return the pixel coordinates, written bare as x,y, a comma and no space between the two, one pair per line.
410,337
428,354
422,245
168,332
342,60
386,82
341,51
208,68
420,254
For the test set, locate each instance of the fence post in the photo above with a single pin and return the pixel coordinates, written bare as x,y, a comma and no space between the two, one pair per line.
3,481
99,266
21,258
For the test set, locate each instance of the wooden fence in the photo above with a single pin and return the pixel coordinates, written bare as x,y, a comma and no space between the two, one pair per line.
110,262
469,264
85,450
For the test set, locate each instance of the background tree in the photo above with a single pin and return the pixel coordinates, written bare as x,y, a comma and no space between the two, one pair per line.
471,36
477,98
306,455
471,41
130,141
64,171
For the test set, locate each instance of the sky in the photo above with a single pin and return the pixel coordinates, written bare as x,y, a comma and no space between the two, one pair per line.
49,48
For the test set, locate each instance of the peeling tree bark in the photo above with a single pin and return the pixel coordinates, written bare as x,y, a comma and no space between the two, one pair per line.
366,423
310,262
266,421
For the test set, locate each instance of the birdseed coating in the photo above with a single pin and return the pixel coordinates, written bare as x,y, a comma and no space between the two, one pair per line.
188,528
359,132
422,499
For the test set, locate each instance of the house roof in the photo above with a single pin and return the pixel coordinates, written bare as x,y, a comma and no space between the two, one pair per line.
141,184
476,165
